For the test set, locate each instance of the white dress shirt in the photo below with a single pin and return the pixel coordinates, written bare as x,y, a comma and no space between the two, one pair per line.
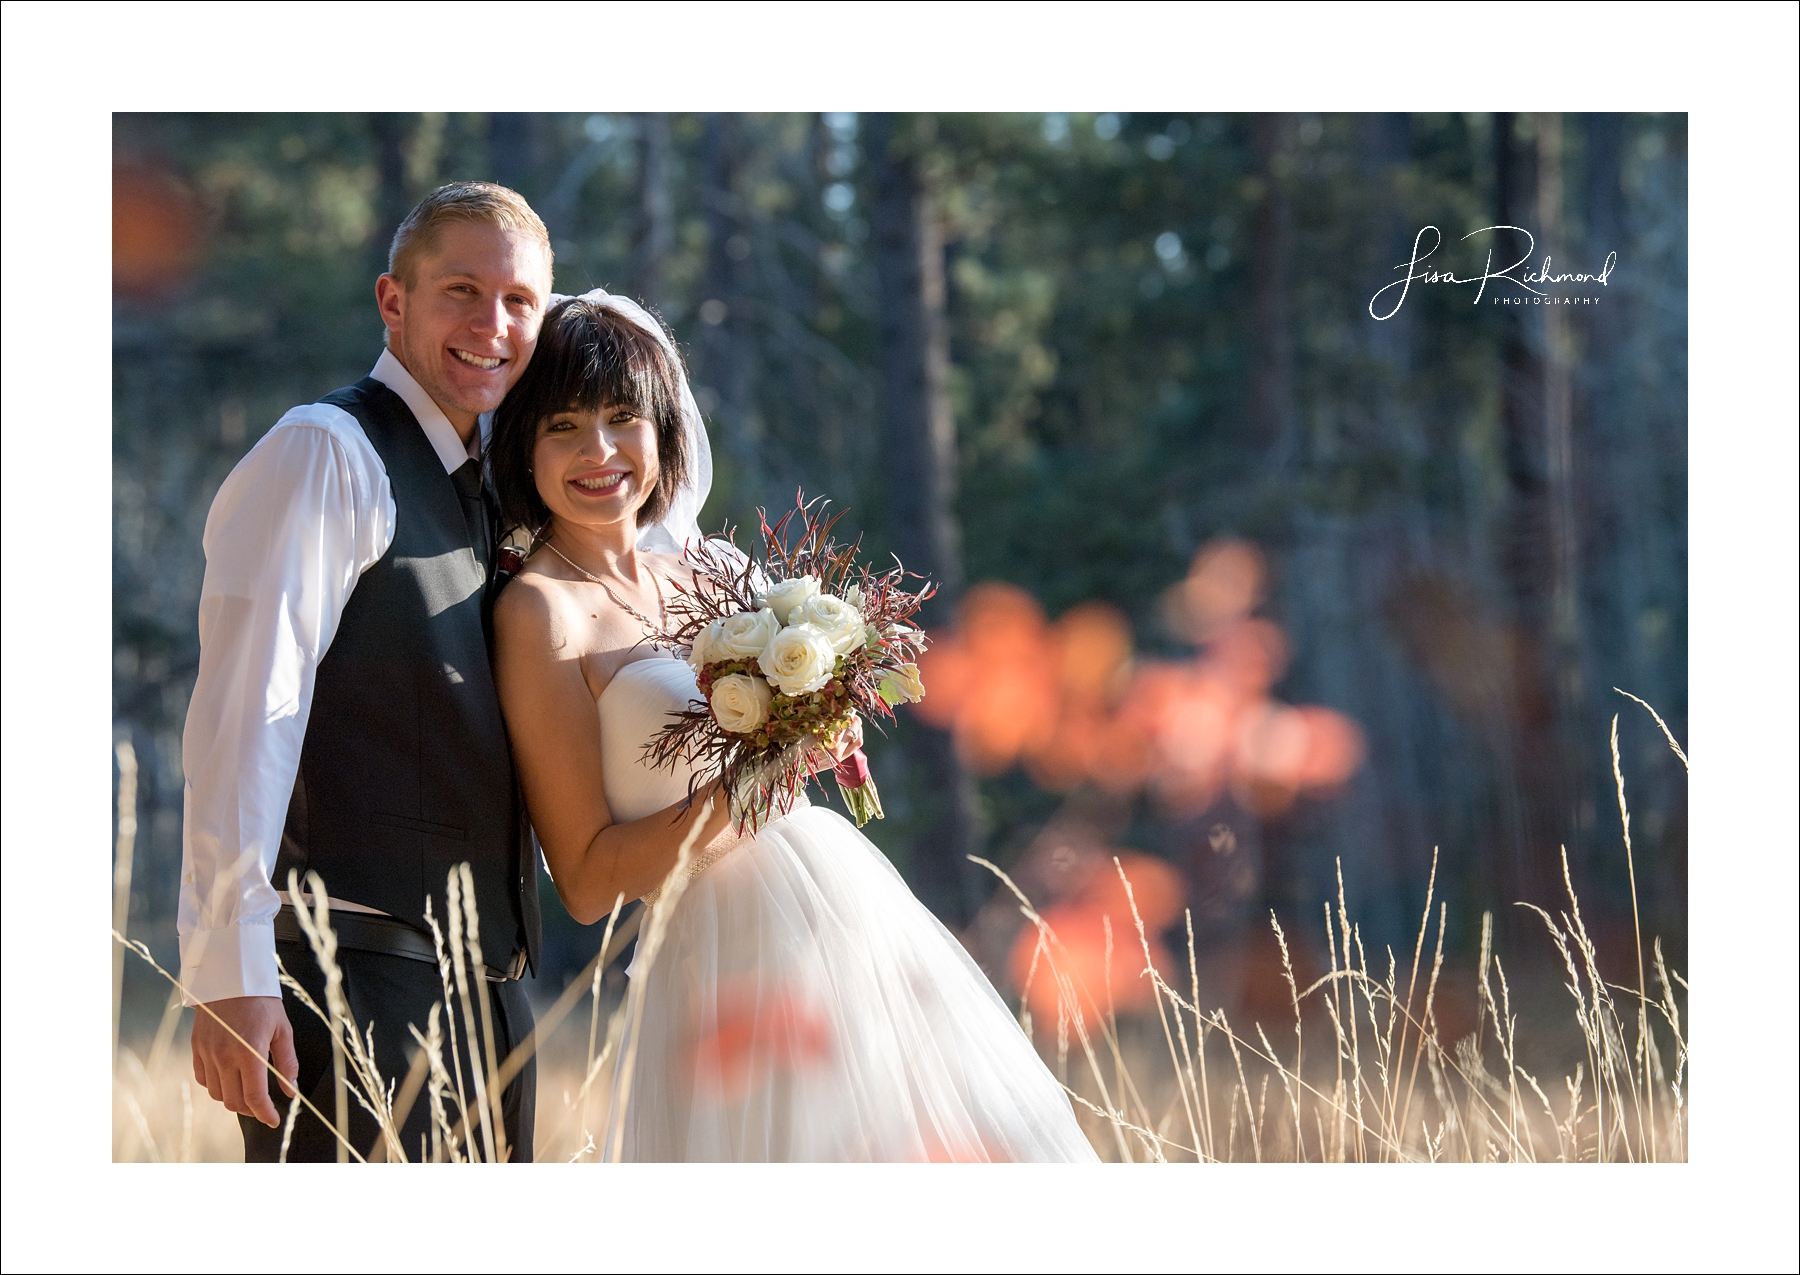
294,526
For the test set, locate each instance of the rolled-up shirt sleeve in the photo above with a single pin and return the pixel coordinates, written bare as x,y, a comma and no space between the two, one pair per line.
294,525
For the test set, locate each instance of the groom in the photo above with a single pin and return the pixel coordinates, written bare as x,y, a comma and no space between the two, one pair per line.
344,720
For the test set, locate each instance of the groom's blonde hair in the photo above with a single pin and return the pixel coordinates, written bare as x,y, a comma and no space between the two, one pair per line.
483,203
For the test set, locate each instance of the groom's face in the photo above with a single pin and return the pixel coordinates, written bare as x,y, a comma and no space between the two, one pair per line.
466,325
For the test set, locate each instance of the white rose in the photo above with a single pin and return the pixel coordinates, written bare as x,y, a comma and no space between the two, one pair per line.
706,643
799,659
842,623
740,703
788,596
745,635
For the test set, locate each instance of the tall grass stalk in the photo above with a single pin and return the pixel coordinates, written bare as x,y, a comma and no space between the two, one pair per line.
657,928
1637,934
122,856
459,964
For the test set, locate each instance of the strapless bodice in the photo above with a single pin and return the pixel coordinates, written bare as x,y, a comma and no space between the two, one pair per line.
634,708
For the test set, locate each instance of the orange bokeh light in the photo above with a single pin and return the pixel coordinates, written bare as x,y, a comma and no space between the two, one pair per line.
1249,656
1285,751
752,1037
994,682
1093,642
1080,925
1067,700
1225,583
156,231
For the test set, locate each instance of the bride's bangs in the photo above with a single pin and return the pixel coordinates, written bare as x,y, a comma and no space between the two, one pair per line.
594,359
588,357
619,365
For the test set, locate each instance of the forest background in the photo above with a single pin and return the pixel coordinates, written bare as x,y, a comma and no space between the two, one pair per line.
1066,353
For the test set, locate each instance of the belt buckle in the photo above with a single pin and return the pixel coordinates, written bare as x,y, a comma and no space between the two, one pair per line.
514,970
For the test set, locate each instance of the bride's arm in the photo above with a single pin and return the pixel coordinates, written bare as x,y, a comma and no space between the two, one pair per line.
555,732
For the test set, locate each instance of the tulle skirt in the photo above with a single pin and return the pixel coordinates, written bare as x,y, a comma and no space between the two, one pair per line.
802,1005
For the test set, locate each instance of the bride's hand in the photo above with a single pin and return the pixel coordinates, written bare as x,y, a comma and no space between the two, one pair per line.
848,741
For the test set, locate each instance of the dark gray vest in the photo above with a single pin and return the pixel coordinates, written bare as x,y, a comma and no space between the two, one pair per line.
406,769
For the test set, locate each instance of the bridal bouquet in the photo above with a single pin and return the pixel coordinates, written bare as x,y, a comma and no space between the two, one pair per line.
786,651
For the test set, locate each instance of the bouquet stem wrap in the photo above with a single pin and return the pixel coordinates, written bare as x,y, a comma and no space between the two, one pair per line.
857,787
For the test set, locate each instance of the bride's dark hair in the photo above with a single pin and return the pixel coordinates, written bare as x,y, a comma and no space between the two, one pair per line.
587,356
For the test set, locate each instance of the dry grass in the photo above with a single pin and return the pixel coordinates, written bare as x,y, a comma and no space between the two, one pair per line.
1379,1083
1374,1080
159,1113
1389,1088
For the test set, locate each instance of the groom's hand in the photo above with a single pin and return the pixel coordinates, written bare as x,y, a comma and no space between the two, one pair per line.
235,1075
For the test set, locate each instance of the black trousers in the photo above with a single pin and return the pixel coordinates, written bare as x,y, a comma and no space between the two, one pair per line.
390,992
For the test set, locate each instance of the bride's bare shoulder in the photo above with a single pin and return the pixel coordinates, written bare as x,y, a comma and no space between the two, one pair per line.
673,566
535,610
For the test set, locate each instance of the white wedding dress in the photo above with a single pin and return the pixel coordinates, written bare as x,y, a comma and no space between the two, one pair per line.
802,1004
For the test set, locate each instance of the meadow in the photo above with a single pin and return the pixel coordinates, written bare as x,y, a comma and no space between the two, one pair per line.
1364,1067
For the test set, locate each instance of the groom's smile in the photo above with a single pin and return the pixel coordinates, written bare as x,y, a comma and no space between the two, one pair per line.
475,360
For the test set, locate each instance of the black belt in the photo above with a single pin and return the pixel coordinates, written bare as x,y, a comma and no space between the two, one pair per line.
365,932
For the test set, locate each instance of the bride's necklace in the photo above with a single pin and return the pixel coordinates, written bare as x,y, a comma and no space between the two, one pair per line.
661,602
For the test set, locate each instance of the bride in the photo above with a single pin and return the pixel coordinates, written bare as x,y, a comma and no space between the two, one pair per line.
798,1002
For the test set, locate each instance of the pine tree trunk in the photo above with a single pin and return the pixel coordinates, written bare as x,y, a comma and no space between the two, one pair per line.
1272,422
391,204
512,150
1532,557
919,436
1567,639
656,219
724,334
1607,449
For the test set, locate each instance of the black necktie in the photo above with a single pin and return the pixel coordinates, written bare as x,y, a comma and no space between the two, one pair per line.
475,511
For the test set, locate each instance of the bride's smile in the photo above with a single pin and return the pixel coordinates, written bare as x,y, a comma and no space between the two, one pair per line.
594,469
601,482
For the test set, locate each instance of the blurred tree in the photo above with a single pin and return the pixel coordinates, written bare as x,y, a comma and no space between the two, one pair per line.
723,314
919,435
393,199
656,214
1272,381
1536,556
513,158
